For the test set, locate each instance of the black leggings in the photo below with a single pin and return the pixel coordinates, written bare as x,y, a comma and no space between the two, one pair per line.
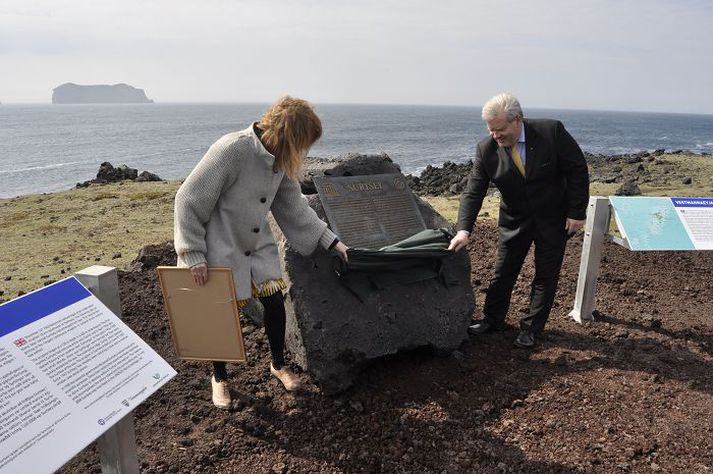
274,328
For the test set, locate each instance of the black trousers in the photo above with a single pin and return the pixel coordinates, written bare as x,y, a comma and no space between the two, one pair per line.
275,322
511,255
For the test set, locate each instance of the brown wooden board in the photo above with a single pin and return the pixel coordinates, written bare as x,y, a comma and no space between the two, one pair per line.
204,320
370,211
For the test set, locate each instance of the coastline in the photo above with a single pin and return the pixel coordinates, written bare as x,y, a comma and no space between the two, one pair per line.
48,148
47,237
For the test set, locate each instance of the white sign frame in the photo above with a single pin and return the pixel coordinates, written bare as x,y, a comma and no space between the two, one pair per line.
596,232
82,371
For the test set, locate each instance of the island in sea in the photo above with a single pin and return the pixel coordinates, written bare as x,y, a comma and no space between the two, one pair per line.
70,93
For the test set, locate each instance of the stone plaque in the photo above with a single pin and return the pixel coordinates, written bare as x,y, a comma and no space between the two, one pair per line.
370,211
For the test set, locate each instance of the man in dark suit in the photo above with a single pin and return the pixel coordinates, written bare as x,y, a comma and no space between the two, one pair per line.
543,181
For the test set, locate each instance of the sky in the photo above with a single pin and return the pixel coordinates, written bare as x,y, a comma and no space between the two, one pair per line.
637,55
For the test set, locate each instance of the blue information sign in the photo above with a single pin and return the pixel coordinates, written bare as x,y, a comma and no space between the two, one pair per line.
663,223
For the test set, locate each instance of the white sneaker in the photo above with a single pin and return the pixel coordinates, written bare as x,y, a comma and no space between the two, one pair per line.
291,382
221,394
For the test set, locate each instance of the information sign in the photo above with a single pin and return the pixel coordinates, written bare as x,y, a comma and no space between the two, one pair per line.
69,370
663,223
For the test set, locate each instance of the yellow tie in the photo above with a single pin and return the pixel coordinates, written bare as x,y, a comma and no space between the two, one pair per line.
515,151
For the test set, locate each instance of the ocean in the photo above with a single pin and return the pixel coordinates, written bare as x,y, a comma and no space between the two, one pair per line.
47,148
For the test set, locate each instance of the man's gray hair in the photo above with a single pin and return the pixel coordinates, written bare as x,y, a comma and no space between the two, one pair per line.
504,103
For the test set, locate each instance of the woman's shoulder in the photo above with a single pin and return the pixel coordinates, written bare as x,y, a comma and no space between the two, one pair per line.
233,145
240,138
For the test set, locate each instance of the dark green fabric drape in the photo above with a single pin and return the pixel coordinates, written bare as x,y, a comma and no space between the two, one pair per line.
413,259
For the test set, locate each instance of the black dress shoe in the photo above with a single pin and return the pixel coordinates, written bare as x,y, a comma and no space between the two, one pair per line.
481,327
525,340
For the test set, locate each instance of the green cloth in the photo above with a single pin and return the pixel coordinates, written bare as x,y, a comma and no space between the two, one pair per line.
416,258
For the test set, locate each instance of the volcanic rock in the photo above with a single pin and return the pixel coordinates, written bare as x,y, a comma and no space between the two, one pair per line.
147,176
350,164
629,188
109,174
448,180
152,256
333,335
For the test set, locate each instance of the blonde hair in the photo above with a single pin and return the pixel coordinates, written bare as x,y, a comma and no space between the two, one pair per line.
290,127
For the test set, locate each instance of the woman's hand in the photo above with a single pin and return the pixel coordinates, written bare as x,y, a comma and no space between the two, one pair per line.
200,273
341,249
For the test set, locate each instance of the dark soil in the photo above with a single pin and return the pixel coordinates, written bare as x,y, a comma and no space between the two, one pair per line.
632,391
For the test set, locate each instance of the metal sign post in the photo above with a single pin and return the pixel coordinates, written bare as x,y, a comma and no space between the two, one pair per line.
595,233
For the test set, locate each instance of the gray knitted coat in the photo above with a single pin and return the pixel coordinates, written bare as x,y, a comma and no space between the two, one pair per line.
221,209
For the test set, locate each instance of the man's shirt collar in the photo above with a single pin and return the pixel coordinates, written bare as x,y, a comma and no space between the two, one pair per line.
521,138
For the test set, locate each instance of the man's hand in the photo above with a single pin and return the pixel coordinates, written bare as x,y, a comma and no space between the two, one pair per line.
573,225
200,273
459,241
341,249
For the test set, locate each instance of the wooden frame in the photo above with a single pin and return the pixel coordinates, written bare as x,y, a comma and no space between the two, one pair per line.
204,320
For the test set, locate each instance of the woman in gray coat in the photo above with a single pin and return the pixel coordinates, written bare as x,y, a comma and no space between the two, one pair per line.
221,218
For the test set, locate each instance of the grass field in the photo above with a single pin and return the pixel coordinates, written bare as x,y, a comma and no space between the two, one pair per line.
47,237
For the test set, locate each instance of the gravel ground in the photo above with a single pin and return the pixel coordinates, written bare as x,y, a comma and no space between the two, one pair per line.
630,392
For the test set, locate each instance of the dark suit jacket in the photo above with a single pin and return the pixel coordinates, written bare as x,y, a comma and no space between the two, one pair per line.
555,186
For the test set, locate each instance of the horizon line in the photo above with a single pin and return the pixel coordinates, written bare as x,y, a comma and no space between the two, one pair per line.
367,104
